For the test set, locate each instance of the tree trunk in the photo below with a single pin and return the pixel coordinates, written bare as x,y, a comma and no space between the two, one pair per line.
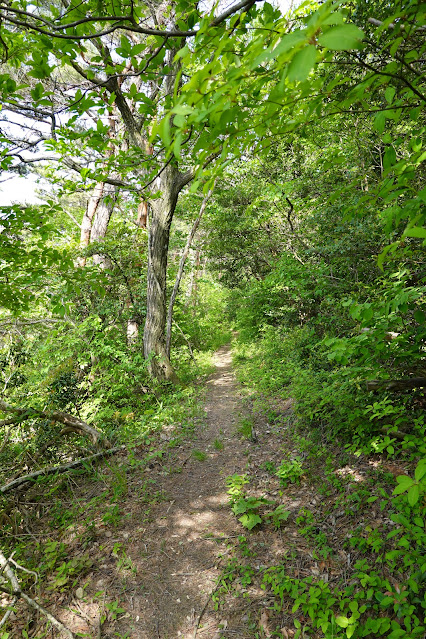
194,286
86,224
100,223
180,271
158,243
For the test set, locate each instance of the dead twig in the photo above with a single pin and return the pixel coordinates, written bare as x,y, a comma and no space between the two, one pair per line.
18,593
200,616
8,612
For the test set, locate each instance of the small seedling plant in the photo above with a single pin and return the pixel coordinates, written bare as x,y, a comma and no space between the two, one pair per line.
290,472
248,507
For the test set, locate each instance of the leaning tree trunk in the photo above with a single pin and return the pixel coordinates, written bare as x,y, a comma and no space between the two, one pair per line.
158,243
179,275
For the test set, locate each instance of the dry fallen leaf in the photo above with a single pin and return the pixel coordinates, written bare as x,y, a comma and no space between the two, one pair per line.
263,623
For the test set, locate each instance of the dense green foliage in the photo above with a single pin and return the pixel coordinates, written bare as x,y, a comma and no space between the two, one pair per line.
313,126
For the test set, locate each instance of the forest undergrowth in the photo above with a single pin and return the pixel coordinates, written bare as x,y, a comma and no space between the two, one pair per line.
251,170
352,556
320,545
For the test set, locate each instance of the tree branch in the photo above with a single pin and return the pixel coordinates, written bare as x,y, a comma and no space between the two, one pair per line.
29,21
53,470
17,591
396,384
181,268
56,416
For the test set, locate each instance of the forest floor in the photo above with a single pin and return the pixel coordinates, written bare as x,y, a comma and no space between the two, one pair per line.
172,560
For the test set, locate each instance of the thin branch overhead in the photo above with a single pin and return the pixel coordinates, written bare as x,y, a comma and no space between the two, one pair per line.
34,22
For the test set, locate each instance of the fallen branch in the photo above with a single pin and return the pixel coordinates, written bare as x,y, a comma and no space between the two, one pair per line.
12,420
10,575
8,612
52,470
76,424
396,384
397,434
55,622
18,593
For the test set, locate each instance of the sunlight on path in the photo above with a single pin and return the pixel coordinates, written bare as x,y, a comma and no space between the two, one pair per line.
179,560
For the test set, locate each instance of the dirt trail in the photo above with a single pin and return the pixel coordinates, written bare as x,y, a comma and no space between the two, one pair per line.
177,555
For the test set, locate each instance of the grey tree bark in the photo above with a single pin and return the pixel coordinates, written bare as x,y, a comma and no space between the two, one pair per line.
86,224
100,223
163,209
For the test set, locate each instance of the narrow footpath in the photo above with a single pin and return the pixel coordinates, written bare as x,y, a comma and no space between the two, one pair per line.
177,556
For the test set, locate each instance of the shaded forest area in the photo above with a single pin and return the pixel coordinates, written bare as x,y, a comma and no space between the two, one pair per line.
217,172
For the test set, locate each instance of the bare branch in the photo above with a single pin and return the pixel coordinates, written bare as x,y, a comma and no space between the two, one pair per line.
53,470
30,21
392,25
16,590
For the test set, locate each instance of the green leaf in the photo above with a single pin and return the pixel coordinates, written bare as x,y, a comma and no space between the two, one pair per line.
240,507
380,122
37,92
164,131
250,520
415,231
302,64
420,470
334,18
404,482
413,494
342,622
182,53
390,94
289,41
386,601
182,109
342,38
138,48
389,158
388,249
